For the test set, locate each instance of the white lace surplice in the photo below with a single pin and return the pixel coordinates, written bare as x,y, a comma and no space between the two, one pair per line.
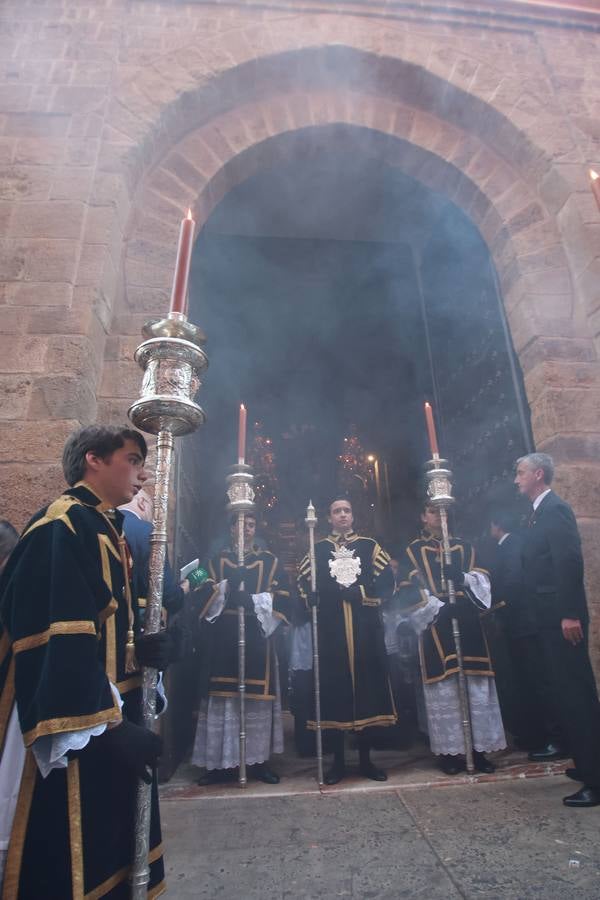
442,701
217,742
444,719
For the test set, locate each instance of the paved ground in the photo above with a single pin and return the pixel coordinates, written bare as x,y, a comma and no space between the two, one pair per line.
507,839
420,835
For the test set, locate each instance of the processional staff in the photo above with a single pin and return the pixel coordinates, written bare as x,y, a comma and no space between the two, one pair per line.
241,501
173,361
439,493
311,521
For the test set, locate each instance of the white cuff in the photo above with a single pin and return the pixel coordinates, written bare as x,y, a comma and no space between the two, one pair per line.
218,604
422,617
479,585
263,607
51,750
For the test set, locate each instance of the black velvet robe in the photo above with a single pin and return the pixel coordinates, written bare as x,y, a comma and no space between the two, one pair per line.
355,686
436,645
64,629
220,644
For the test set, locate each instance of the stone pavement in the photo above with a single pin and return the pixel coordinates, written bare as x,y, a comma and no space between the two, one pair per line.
419,835
504,839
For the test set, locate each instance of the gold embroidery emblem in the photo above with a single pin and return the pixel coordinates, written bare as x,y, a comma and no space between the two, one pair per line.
344,566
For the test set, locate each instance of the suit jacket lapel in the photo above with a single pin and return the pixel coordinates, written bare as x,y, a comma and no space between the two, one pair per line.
543,505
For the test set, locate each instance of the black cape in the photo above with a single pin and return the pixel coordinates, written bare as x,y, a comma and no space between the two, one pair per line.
422,566
65,621
354,680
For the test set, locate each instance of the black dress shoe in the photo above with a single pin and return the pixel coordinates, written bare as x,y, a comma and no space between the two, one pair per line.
372,772
261,772
587,796
573,774
334,774
482,764
547,754
217,776
451,765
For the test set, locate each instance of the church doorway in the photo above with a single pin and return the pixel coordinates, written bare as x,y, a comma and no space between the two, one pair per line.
338,294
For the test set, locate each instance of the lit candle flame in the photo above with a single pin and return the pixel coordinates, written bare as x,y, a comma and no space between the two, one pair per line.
189,214
594,175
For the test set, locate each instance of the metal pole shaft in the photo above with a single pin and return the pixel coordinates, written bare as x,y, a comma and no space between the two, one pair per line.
462,680
140,873
315,639
242,779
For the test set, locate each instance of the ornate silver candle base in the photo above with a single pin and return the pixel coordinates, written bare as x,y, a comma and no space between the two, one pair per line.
439,495
241,501
173,361
439,483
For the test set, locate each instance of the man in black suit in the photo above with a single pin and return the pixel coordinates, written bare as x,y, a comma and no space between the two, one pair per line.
553,573
523,686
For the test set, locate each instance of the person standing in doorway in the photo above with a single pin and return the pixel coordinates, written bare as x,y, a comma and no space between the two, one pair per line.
353,575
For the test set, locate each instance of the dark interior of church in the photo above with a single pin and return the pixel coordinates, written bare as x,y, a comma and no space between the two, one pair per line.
338,294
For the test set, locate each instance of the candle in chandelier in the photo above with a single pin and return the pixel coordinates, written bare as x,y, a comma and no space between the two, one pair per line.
433,444
595,180
182,265
242,435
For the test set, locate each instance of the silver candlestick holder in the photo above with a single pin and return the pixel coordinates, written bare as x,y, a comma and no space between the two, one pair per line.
439,495
439,483
173,362
240,492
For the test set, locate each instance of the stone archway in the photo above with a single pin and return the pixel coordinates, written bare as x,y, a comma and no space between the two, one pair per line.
524,236
454,123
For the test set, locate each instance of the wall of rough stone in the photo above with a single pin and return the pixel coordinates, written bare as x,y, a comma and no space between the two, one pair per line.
115,115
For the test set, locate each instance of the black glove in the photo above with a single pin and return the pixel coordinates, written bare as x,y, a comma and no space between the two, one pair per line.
240,598
154,650
455,574
134,747
312,598
236,577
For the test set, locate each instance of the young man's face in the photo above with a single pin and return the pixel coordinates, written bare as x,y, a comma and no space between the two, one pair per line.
249,530
529,480
118,477
431,520
340,516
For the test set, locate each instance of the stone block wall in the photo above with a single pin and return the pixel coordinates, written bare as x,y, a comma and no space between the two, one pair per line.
115,115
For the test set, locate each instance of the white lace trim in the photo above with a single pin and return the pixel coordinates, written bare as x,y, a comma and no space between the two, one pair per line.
51,750
218,603
217,742
444,717
263,607
422,617
479,584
